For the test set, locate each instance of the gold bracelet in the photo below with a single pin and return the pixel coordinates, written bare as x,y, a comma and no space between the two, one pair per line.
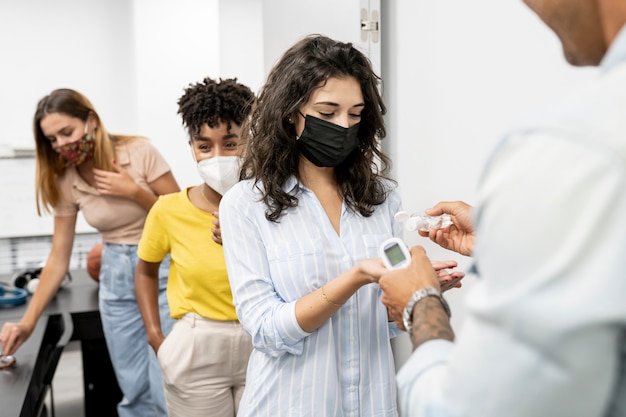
327,300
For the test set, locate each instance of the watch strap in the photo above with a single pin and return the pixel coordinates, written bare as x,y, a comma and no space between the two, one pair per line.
407,314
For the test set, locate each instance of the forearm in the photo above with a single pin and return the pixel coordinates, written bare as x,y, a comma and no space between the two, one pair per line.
37,305
49,282
147,293
145,198
316,308
430,322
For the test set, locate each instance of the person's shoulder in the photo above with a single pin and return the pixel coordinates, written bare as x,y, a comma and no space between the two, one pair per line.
141,152
136,142
130,142
388,185
587,116
176,195
391,192
172,199
245,190
242,187
67,180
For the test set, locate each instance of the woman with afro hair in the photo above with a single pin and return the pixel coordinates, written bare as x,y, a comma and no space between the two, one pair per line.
204,358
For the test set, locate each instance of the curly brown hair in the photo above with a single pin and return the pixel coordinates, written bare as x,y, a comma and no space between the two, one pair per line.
212,102
271,155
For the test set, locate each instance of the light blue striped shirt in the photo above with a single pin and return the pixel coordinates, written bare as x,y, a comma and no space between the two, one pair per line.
345,367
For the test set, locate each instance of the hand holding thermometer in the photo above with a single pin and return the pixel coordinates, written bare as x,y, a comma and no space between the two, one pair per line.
394,253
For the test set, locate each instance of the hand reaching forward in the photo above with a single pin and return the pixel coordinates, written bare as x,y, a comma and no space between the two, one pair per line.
447,280
118,183
458,237
12,336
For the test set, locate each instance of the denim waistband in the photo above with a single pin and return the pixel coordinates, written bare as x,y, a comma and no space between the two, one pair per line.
121,248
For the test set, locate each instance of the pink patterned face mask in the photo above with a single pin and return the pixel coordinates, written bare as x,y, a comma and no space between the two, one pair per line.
78,152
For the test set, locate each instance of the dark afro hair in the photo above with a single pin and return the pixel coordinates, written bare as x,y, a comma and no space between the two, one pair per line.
212,102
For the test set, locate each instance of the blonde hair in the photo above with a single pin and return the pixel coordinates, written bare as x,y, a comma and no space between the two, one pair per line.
50,165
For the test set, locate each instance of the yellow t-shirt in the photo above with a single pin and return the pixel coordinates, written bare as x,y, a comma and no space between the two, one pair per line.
197,282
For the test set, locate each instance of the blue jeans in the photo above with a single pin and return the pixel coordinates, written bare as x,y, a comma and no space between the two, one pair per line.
134,362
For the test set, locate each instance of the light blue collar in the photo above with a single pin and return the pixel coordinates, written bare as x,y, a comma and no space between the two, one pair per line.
292,185
616,54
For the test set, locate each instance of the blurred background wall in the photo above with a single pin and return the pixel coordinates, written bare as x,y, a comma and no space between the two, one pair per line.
456,75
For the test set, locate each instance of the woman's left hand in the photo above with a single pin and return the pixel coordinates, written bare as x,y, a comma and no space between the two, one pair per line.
447,280
217,232
118,183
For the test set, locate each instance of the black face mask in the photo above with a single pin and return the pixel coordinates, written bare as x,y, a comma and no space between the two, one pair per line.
326,144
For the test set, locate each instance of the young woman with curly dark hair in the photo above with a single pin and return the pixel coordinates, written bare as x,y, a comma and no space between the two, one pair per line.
301,235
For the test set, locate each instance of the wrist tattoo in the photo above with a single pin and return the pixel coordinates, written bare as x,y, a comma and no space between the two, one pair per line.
430,322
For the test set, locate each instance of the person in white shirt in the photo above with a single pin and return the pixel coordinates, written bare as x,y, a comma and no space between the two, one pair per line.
301,233
545,332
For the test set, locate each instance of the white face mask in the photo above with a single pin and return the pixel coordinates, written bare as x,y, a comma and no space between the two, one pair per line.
220,172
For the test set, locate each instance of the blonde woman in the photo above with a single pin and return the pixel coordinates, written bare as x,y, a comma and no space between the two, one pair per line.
114,180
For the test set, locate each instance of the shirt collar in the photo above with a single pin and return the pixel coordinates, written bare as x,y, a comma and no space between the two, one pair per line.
617,52
292,185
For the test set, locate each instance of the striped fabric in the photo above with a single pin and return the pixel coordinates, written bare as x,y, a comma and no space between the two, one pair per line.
344,368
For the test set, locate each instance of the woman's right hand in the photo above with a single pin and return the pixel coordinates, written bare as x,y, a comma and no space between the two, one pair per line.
156,344
458,237
12,336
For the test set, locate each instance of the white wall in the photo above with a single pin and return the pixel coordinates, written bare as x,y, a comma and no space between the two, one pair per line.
241,40
178,43
47,45
287,21
175,44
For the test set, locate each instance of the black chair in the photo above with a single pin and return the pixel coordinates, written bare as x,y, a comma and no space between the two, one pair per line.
58,334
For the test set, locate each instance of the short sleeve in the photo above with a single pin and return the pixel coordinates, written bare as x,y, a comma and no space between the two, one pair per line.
145,158
155,243
67,206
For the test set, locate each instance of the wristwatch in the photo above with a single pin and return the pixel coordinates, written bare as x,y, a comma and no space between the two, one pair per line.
407,314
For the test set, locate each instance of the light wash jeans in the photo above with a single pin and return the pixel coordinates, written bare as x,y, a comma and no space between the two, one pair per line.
134,362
